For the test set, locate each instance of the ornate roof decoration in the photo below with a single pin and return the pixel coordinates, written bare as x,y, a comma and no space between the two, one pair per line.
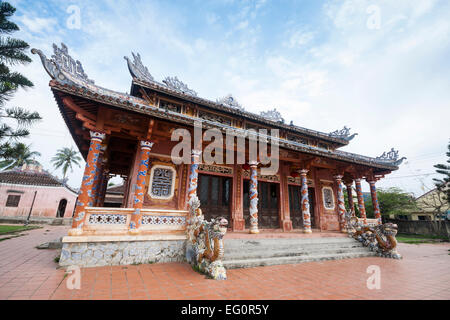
176,84
272,115
137,68
343,134
62,66
391,156
230,101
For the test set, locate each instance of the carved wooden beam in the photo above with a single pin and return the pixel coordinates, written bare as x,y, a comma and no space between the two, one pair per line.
71,105
151,124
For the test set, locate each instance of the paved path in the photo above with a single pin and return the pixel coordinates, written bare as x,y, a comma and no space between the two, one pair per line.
29,273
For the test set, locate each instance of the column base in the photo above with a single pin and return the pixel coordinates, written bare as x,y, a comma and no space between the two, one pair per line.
238,224
134,232
287,225
75,232
254,231
307,231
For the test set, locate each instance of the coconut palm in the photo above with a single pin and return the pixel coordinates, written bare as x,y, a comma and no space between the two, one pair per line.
18,155
66,158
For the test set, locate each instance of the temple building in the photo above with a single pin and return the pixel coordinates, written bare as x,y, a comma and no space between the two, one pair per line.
130,135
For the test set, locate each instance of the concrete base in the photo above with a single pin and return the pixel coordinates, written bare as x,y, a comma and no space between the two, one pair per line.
91,252
36,220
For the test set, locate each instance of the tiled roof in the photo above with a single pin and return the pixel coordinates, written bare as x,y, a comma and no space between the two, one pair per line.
75,82
31,177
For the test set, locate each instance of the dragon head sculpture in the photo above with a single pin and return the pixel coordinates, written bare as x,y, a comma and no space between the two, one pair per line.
219,226
389,229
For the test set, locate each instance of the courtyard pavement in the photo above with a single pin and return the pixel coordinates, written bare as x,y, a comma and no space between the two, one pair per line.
30,273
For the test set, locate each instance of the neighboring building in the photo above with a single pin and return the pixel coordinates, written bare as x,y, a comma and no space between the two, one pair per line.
130,135
427,204
19,186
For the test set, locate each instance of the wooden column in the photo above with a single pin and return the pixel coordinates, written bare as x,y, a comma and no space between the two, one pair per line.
136,217
375,204
361,206
341,202
105,180
85,197
237,211
253,192
284,200
305,202
98,178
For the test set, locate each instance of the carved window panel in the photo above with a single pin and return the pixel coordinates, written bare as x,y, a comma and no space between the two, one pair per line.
328,198
162,182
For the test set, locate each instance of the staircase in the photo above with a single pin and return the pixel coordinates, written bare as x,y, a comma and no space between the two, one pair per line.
243,253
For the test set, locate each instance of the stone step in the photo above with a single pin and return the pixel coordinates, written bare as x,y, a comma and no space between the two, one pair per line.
244,243
290,253
255,262
291,247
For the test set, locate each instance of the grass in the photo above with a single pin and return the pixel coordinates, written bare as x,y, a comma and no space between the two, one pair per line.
7,229
417,238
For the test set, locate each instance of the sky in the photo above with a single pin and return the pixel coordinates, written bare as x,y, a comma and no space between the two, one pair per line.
379,67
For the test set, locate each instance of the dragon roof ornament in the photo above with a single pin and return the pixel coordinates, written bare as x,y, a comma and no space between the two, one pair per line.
137,68
272,115
392,157
342,134
62,66
230,101
176,84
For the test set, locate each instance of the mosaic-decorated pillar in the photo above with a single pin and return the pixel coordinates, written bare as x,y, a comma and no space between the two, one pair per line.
348,186
362,208
193,176
85,197
139,191
341,202
376,205
253,192
305,202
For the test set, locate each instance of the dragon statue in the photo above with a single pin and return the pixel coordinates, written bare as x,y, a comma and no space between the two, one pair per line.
379,238
205,242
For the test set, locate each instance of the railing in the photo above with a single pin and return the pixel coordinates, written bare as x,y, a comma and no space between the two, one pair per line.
115,221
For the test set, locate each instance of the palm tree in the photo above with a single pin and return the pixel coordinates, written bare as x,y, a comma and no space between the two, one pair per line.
66,158
12,52
18,155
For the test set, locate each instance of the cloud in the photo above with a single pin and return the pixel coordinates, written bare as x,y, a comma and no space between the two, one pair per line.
324,70
37,24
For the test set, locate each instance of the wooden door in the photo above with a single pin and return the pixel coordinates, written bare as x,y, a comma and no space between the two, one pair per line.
295,207
268,195
214,193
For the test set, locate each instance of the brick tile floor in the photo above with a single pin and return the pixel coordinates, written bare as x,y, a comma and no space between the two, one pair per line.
29,273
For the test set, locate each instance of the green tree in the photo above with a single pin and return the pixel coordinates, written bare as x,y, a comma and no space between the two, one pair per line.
18,155
391,201
443,185
14,121
66,158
